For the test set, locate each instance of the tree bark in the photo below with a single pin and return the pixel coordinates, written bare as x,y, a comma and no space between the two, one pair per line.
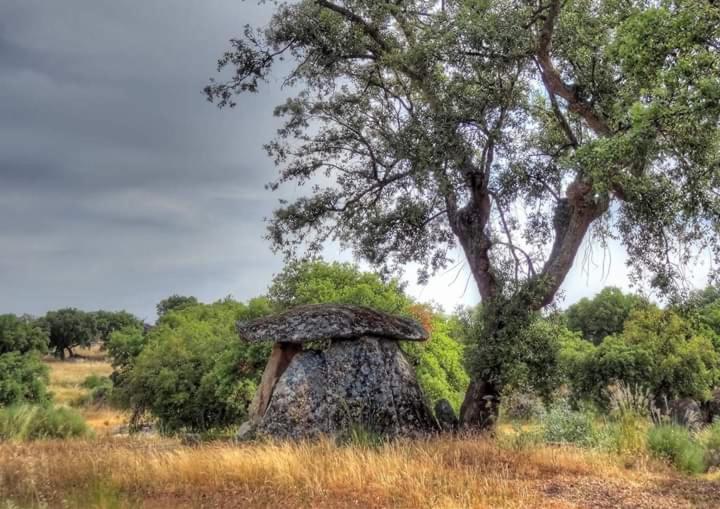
481,406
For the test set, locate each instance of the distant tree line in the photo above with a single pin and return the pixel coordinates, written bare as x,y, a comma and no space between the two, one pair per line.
190,371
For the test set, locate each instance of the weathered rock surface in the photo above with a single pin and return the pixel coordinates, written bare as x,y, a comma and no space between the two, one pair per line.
367,382
445,415
330,321
712,407
686,412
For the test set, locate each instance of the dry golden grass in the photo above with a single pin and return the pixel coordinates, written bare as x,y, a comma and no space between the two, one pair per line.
440,473
66,378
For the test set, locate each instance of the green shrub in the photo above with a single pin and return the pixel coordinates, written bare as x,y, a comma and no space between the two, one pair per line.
658,350
521,405
676,445
32,422
192,373
360,436
100,391
626,433
562,424
23,378
21,334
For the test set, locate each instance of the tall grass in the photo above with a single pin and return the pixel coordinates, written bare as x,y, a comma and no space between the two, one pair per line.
677,445
442,473
33,422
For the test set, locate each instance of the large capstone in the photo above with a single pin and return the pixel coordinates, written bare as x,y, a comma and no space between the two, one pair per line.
330,322
366,383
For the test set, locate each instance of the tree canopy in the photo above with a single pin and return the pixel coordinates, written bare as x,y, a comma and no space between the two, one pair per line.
107,322
658,350
604,314
175,301
513,129
317,281
68,328
22,335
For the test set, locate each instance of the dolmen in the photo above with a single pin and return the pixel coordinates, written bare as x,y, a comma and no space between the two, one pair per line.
359,376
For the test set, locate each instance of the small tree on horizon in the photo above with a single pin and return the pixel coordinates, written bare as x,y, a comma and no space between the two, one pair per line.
513,129
174,302
68,328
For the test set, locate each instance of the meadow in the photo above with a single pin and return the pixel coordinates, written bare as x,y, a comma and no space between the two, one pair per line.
114,471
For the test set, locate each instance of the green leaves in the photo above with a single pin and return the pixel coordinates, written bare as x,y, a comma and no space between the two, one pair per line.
23,378
191,371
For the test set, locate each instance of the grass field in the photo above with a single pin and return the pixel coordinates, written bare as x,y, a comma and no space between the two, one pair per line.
441,473
66,380
447,472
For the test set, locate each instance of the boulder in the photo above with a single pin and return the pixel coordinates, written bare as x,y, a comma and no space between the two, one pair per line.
330,322
712,407
445,415
686,412
361,379
367,382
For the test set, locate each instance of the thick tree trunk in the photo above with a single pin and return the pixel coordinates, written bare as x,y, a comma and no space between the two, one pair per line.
480,408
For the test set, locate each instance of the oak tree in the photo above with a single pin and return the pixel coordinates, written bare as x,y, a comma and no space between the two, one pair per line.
514,129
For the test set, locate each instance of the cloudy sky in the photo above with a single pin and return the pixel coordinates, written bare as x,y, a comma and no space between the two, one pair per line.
120,184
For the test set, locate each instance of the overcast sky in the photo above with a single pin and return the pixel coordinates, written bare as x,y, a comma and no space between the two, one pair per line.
120,184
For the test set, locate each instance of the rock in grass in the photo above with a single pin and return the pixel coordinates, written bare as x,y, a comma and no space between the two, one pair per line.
366,383
445,415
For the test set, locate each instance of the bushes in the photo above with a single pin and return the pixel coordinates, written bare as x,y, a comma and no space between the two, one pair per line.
23,378
100,391
439,364
562,424
521,405
676,444
657,350
21,334
31,422
191,371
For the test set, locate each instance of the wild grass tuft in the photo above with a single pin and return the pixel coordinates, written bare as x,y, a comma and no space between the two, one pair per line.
677,445
32,422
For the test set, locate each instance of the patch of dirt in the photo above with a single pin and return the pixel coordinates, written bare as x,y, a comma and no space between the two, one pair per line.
594,493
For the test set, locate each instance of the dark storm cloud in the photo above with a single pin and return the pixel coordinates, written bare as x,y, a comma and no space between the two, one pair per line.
119,183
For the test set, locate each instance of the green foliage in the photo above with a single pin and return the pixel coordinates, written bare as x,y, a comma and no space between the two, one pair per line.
33,422
658,350
676,445
358,435
68,328
174,302
523,354
521,405
439,364
191,371
562,424
21,334
510,130
603,315
711,437
125,345
23,378
626,433
317,281
630,410
100,391
107,322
